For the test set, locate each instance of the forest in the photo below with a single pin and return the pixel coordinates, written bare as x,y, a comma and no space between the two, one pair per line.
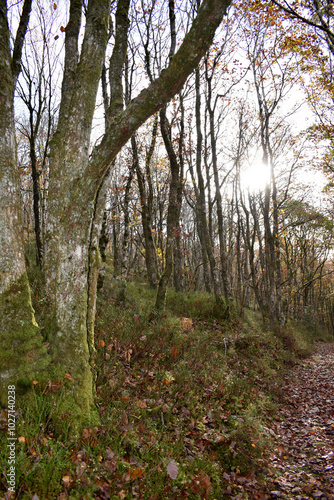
166,249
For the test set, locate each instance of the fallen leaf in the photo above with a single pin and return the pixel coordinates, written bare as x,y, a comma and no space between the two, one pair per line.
127,355
66,480
205,481
80,469
141,404
187,324
136,472
172,469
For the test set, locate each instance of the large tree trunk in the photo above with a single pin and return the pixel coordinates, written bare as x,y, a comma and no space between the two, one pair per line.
22,354
72,206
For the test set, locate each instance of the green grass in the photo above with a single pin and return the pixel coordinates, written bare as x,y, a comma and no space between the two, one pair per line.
198,391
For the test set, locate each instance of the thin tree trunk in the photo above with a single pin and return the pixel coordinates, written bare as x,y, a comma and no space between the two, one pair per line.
222,238
146,208
173,213
201,195
36,203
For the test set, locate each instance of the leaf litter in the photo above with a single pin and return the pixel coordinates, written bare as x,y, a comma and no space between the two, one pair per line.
302,464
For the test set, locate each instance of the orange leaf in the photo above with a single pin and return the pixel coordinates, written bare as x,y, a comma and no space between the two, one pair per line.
62,29
35,382
174,351
141,404
66,480
21,439
68,376
54,6
102,343
137,472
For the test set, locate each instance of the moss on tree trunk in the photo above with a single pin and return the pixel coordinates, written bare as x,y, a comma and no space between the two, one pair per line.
22,355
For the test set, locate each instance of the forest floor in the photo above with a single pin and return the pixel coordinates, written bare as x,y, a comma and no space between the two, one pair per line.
304,429
191,406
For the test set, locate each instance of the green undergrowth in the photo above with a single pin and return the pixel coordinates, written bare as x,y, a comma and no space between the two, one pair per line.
184,390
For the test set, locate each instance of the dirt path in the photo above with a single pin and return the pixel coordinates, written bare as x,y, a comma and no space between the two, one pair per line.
304,456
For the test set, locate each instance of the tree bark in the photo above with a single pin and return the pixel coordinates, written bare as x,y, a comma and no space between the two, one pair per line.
22,354
178,270
74,215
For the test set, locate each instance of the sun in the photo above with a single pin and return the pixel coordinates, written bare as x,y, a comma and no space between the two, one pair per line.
255,177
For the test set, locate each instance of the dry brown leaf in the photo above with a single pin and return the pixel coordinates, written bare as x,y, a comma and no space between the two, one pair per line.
66,480
141,404
187,324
